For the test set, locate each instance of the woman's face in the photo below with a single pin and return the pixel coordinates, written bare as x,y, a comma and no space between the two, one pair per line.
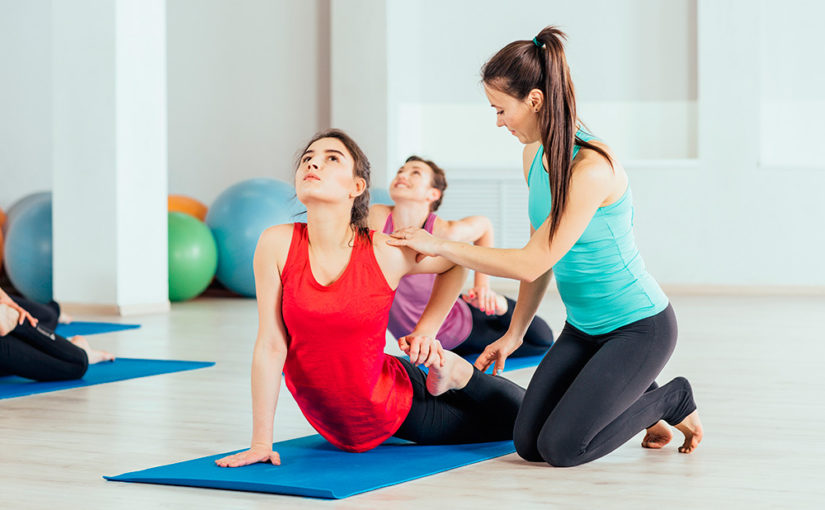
518,116
413,182
325,173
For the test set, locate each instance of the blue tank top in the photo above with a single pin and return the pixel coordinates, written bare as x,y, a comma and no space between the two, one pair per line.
602,280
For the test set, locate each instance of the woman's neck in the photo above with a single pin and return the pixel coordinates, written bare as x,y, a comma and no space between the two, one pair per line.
328,228
410,214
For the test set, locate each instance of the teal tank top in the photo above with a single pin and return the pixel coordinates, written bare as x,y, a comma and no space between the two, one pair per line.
602,280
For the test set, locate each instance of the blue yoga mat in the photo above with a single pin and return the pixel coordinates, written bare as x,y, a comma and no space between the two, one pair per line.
118,370
310,466
91,328
512,363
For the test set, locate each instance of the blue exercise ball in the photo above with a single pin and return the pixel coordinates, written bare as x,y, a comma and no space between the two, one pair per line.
239,216
380,196
21,205
28,254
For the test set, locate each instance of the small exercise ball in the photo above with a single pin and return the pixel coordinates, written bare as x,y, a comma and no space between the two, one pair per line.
20,205
187,205
380,196
193,256
238,217
28,249
2,218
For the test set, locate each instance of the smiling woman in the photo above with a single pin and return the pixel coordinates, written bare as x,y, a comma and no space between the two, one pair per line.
595,389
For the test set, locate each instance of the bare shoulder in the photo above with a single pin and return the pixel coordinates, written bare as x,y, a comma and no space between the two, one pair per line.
378,216
443,228
528,155
387,252
274,243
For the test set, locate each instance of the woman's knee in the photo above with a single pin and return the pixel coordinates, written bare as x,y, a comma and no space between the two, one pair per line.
559,449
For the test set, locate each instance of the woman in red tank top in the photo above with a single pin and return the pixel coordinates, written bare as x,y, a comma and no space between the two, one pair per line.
324,291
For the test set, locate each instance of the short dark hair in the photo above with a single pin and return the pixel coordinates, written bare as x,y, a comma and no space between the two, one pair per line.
439,180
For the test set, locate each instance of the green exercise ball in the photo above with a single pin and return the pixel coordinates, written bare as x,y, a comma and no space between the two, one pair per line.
193,256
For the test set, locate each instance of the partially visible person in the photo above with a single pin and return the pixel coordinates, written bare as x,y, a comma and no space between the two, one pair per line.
482,316
30,348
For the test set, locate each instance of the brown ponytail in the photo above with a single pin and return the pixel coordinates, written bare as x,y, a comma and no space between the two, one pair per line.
522,66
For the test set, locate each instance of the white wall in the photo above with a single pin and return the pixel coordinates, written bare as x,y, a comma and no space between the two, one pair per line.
25,99
248,85
707,103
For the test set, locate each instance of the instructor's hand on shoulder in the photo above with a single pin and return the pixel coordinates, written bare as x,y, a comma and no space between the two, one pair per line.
422,349
496,353
416,239
251,456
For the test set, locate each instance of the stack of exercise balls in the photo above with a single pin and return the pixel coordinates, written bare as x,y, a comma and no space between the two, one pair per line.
204,243
193,254
27,252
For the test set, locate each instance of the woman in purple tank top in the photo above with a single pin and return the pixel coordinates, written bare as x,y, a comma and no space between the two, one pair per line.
481,316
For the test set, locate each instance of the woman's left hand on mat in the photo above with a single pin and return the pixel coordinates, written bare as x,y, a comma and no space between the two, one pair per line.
417,239
251,456
422,349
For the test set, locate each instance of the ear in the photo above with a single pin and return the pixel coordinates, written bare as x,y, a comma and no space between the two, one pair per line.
535,100
360,186
433,194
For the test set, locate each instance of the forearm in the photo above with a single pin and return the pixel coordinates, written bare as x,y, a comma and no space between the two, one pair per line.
267,366
516,264
530,295
446,290
486,239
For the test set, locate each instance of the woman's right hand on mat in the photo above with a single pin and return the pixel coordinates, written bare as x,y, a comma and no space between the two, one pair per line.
422,349
497,352
251,456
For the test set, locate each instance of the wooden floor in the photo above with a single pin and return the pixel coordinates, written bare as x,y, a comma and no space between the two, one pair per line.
754,363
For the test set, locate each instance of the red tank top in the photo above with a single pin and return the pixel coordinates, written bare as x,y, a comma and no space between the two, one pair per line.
349,390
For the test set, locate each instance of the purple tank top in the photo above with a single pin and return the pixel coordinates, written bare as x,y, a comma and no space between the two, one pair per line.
411,298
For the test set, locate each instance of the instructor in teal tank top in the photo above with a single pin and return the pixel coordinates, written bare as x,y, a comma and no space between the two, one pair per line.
595,389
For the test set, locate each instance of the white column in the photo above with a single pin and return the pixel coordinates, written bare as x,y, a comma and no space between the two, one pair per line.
110,171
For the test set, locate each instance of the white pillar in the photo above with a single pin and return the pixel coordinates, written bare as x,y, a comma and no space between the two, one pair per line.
110,170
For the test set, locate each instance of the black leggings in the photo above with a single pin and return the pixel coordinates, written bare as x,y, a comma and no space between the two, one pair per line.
489,328
484,410
37,352
591,394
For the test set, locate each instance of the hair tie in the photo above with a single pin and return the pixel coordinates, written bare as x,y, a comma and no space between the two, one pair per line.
537,43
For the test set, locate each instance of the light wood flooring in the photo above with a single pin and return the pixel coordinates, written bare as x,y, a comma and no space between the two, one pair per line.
754,362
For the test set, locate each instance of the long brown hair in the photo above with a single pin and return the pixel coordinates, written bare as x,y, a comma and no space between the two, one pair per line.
522,66
360,168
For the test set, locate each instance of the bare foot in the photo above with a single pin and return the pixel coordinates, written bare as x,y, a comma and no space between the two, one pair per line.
94,355
454,375
501,304
8,319
657,436
691,427
65,318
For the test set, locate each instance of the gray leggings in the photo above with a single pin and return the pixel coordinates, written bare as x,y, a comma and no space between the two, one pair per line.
591,394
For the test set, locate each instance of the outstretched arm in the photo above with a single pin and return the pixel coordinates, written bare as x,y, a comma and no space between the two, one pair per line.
270,348
530,295
589,187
